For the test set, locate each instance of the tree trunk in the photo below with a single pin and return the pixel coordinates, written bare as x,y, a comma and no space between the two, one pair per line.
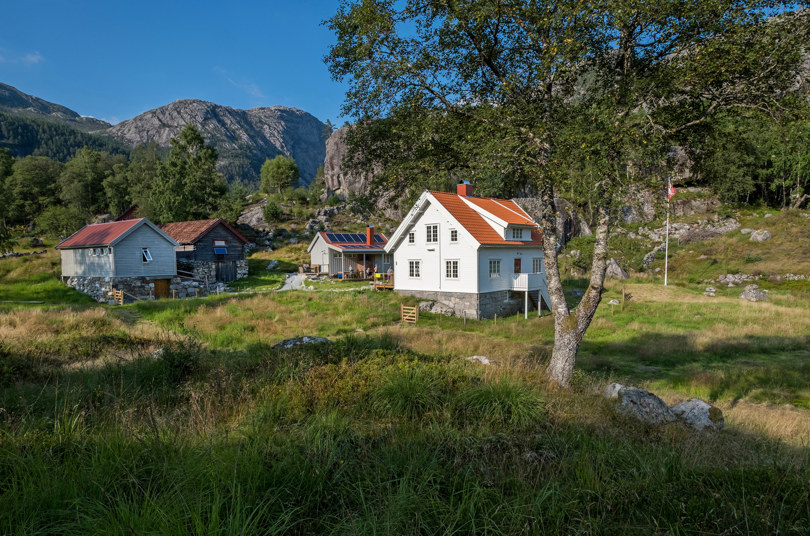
569,328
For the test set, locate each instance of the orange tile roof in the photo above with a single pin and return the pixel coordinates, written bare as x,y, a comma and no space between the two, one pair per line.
505,209
474,223
190,232
98,234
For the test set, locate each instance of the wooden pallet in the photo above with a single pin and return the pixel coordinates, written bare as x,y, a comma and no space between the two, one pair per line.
409,315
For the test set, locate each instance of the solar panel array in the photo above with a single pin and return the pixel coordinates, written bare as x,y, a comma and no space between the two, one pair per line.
352,238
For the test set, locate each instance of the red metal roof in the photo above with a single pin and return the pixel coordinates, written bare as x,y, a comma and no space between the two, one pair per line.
98,234
474,223
190,232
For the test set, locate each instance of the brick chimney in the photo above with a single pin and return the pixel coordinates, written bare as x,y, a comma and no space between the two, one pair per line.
464,188
370,235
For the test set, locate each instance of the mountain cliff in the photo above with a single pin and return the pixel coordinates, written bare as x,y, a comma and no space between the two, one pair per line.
243,138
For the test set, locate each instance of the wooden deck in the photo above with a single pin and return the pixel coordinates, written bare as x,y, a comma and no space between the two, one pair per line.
384,282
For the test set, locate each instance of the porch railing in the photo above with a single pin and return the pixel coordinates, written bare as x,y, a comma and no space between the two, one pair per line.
526,282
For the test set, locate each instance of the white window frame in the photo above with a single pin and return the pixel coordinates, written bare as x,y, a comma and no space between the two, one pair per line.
412,237
146,256
453,236
451,269
517,233
414,268
432,233
220,243
496,272
537,265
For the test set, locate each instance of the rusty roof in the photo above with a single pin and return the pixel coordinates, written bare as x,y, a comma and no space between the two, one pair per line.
475,224
98,234
190,232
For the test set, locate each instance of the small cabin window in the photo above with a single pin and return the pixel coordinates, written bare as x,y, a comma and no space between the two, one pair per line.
220,251
453,235
147,257
220,244
494,268
451,269
517,234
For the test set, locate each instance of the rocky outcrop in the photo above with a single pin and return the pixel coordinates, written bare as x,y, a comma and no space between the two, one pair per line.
752,293
615,271
299,341
699,414
338,179
243,138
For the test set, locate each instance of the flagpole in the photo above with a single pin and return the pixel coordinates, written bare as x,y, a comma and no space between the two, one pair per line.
666,247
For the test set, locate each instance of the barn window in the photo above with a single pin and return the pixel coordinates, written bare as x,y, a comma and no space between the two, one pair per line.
220,244
221,251
147,257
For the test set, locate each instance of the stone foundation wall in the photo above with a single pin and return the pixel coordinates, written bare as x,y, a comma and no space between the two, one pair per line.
142,288
207,271
476,306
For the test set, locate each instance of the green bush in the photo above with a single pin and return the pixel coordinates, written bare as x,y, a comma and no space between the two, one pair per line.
502,401
272,212
410,393
333,200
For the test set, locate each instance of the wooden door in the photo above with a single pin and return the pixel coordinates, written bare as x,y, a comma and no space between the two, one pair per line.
162,288
517,266
226,271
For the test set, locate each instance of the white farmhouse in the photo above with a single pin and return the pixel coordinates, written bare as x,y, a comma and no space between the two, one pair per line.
478,256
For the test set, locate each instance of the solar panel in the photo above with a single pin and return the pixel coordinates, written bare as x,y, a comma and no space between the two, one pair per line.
359,238
378,238
331,237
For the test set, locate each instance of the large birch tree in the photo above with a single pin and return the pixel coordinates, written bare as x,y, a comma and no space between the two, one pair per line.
564,93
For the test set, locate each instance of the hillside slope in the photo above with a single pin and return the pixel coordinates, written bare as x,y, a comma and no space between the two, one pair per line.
14,101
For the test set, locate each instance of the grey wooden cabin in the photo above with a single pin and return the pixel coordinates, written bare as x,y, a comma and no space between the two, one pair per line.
209,248
129,248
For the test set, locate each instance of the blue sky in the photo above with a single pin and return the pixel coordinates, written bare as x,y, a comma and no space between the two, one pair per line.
114,60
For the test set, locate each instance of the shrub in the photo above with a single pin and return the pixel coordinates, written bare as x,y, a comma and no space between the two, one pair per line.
502,401
410,393
272,212
756,257
333,200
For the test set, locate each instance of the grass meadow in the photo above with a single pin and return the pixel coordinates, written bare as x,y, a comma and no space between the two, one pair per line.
179,416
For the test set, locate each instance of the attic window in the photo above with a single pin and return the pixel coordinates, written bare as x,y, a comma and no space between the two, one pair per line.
147,257
432,234
411,237
517,234
220,244
453,235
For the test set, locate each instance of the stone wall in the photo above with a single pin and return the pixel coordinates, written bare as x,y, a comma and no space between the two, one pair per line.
142,288
207,271
476,306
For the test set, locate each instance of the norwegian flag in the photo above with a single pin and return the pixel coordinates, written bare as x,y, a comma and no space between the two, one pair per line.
670,192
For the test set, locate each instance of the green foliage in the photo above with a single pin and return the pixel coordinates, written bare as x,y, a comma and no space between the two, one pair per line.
278,174
29,136
7,240
410,393
503,401
81,182
333,200
60,221
188,186
31,187
272,212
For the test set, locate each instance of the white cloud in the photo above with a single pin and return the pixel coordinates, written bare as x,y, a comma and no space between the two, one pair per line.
245,85
32,57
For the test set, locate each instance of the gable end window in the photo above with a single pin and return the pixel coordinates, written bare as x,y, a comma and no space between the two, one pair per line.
517,234
414,269
494,268
147,257
453,235
432,234
451,269
411,237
